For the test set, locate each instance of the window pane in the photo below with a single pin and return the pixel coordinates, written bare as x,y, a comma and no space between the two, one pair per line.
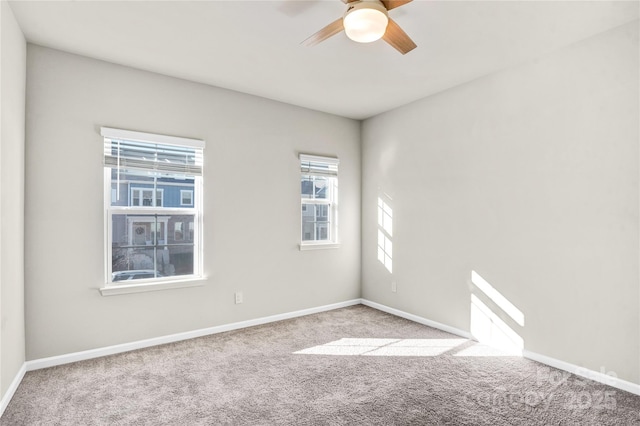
135,188
180,258
148,246
321,188
315,222
322,231
307,187
308,221
147,198
133,264
316,187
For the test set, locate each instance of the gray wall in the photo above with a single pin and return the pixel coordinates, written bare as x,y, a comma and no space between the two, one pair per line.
12,119
251,204
530,178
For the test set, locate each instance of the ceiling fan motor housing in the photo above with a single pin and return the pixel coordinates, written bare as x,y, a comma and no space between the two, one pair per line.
365,21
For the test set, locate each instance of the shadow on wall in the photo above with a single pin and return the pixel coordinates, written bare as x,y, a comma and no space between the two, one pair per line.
494,317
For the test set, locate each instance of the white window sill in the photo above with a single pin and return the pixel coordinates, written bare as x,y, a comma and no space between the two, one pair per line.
318,246
115,289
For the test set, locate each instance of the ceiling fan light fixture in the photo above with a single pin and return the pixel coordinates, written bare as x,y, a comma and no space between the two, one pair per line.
366,21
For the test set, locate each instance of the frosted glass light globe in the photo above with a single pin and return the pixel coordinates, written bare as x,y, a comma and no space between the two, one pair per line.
367,23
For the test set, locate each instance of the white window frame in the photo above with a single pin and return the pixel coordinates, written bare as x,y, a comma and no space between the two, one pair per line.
158,283
186,191
331,201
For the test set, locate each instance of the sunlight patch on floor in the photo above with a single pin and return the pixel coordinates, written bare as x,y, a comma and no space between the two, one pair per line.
385,347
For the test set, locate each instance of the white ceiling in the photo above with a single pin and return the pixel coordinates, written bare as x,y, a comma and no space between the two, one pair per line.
254,46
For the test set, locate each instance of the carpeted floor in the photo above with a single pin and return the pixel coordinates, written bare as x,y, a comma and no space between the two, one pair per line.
351,366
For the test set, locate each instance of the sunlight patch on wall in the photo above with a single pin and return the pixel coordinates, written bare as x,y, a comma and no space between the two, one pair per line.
490,329
502,302
487,326
385,347
385,232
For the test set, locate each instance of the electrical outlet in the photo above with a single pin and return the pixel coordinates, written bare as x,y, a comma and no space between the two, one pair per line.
238,297
394,287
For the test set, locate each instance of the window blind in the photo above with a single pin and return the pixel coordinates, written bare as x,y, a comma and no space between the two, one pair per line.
125,150
314,165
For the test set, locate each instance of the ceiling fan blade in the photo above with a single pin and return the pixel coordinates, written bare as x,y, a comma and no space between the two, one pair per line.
392,4
397,38
332,29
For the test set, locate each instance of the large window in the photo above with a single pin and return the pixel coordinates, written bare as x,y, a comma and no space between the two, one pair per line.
319,199
153,197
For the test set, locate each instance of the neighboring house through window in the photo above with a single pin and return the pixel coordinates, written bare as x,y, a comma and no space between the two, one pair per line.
153,190
319,200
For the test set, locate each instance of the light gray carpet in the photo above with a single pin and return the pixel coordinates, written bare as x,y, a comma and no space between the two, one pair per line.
254,377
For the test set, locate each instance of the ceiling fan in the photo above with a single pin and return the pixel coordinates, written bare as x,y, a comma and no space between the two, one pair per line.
366,21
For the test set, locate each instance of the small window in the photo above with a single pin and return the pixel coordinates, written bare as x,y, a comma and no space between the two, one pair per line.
153,190
178,231
186,197
144,197
319,199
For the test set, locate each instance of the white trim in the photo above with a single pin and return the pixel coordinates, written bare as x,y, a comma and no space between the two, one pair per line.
37,364
115,289
596,376
418,319
318,246
13,387
543,359
131,135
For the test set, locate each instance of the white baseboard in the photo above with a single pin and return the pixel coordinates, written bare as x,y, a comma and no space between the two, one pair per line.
37,364
596,376
6,398
416,318
125,347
